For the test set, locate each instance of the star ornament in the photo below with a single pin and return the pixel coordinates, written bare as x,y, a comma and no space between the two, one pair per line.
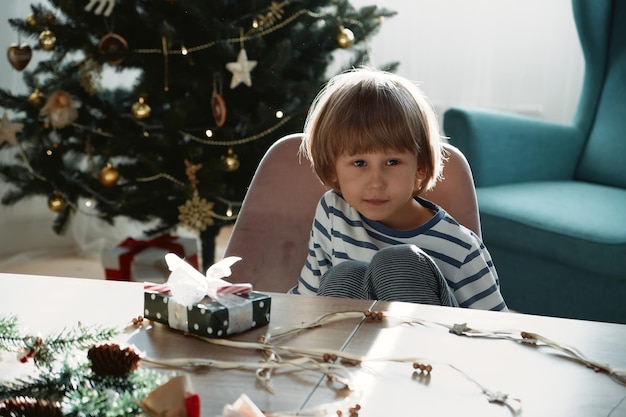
8,130
241,70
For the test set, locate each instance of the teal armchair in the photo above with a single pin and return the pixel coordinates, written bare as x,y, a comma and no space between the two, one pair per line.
552,197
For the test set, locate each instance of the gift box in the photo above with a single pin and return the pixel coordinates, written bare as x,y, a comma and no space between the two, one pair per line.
143,260
228,315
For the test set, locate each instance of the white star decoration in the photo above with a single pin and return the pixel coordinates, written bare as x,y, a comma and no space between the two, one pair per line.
241,70
8,130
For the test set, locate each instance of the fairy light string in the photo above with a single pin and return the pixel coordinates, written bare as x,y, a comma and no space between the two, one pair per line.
335,365
241,141
253,33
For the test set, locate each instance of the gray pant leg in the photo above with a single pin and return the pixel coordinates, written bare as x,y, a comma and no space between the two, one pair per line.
407,273
396,273
345,280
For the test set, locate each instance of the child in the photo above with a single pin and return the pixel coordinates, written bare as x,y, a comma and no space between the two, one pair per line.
373,138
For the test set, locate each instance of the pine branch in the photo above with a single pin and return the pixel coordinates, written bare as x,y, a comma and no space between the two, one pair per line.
81,393
46,384
8,332
44,351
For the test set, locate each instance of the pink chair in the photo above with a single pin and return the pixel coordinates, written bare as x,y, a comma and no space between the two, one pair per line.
272,230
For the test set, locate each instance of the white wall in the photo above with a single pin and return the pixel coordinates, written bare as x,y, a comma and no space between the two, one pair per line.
515,55
512,55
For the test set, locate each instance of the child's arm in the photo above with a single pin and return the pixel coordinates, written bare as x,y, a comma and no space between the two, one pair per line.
318,259
476,284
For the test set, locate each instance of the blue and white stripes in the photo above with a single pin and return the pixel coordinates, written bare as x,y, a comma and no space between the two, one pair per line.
339,233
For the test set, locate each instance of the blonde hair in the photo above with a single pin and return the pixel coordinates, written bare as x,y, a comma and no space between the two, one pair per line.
366,110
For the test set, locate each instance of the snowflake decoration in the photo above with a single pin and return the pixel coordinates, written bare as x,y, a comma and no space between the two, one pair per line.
196,214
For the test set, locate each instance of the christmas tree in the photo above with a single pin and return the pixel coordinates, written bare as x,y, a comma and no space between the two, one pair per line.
215,83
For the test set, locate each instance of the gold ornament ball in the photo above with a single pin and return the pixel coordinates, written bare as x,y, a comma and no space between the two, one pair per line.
345,38
56,203
230,161
36,98
30,20
109,176
47,40
141,110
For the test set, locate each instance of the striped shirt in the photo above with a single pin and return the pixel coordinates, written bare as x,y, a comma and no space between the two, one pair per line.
340,233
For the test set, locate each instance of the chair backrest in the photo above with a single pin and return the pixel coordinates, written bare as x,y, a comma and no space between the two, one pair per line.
272,230
600,113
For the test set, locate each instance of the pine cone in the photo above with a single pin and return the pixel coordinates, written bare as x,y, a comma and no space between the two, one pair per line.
28,406
110,359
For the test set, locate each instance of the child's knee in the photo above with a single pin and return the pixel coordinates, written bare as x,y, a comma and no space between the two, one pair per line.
398,253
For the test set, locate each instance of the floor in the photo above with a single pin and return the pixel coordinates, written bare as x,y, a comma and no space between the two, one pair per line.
78,267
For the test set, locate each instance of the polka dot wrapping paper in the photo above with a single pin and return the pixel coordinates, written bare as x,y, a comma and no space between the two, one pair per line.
230,315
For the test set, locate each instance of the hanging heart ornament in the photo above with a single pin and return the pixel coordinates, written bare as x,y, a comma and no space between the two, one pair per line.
19,56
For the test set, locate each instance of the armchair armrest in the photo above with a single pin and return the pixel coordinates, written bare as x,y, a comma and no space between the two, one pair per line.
504,148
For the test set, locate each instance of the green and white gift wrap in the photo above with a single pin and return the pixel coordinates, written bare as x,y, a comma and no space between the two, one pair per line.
229,314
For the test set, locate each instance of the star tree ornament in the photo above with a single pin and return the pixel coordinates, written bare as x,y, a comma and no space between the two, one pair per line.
8,130
241,69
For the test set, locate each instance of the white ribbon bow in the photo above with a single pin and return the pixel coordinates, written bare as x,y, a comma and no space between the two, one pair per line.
188,286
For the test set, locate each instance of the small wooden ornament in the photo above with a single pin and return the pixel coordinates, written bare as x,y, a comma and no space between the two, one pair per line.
19,56
218,105
114,46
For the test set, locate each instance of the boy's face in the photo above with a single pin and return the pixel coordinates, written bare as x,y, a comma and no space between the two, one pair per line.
380,185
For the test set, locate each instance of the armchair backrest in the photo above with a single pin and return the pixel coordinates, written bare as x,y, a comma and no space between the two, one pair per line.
601,112
272,230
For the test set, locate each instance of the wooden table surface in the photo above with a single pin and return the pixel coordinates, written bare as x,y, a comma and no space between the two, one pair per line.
385,383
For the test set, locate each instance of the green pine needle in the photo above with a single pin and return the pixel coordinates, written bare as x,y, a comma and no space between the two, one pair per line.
47,348
82,393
